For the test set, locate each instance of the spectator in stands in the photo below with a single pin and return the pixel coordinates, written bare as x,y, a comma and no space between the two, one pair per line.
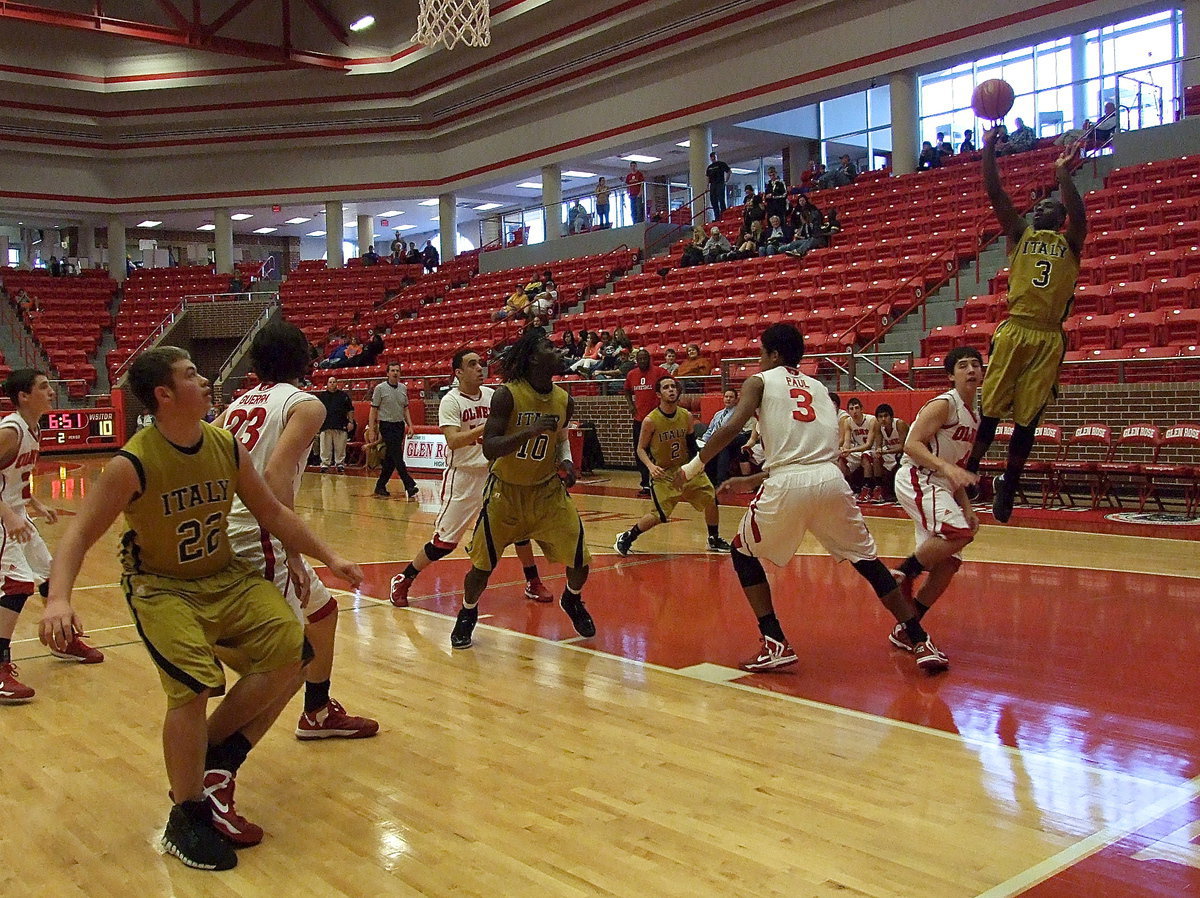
612,360
577,218
1074,135
352,355
514,307
929,158
1107,126
55,267
335,431
537,323
807,176
569,347
236,284
722,465
773,237
809,233
718,174
602,203
776,194
695,365
693,253
968,142
24,301
544,301
621,339
669,364
591,359
747,247
430,256
942,146
717,247
399,248
370,257
754,211
144,420
633,184
748,194
336,352
804,217
832,225
1021,140
372,349
845,172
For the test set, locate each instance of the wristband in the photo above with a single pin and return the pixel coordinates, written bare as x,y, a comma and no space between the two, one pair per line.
692,468
564,450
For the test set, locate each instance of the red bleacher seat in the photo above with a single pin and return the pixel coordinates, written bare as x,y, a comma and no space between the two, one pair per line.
1094,331
1181,327
1139,329
1175,293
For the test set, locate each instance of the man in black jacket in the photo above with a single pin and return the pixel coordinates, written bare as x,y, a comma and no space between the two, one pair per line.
339,421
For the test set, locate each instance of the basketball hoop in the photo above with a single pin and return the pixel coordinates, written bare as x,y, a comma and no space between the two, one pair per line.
447,22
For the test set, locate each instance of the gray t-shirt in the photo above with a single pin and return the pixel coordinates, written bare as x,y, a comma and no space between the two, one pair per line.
391,401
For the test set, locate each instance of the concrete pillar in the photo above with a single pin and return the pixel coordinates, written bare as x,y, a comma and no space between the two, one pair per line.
552,200
1079,90
1191,42
87,243
116,248
906,145
699,146
448,226
333,235
223,237
366,233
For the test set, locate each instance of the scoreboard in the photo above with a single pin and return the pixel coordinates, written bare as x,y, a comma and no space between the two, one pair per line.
82,428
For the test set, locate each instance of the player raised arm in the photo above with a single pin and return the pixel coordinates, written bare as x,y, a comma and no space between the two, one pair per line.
748,402
495,443
931,419
117,487
1076,231
1010,220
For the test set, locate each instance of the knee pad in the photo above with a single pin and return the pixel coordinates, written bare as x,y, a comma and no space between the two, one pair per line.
14,603
435,553
749,569
876,573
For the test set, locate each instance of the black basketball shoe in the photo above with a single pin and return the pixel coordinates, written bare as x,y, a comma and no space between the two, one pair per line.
460,636
190,836
580,619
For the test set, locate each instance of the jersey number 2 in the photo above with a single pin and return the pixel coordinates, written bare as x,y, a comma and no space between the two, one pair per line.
804,410
246,425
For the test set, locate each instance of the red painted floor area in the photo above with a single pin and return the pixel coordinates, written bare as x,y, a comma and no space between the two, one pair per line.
1107,672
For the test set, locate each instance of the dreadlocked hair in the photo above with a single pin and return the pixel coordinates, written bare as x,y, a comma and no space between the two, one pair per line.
518,358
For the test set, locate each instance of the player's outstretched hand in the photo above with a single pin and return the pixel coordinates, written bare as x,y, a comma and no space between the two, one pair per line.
960,478
18,526
990,135
59,624
1067,158
655,472
738,485
566,471
301,582
346,570
545,424
972,518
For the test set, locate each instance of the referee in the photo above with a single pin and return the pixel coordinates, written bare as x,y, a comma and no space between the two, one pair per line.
388,420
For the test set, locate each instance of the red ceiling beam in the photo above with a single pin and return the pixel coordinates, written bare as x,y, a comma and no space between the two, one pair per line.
175,16
226,17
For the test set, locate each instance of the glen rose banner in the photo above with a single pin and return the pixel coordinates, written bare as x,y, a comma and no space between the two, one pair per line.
425,449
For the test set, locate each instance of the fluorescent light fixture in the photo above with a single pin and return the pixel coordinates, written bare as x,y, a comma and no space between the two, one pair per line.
436,220
645,160
315,234
362,24
390,214
297,220
487,207
207,227
240,216
428,203
265,230
579,174
406,228
530,185
149,223
742,171
687,144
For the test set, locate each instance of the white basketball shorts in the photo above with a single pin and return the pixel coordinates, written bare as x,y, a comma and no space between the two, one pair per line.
462,499
267,554
930,503
23,565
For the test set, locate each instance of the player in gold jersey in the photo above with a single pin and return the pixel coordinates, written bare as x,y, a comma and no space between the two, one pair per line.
663,447
187,592
526,493
1028,347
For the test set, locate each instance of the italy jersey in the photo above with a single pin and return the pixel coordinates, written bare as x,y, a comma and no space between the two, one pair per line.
257,419
177,521
536,460
14,479
668,448
460,410
1041,279
953,441
797,420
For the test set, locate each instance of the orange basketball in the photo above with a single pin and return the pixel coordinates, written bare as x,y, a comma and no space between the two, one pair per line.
993,99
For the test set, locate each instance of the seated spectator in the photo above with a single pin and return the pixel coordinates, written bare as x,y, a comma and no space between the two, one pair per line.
968,142
537,323
845,172
591,360
578,219
1021,140
517,305
807,176
929,158
336,351
1075,135
747,247
717,247
695,365
370,257
773,237
809,234
430,256
612,359
24,301
372,349
620,339
569,346
724,464
1001,139
413,256
351,356
754,211
669,364
832,225
1107,126
942,146
693,253
546,299
748,195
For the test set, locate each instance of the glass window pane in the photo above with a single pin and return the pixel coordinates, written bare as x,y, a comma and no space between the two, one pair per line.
879,106
844,115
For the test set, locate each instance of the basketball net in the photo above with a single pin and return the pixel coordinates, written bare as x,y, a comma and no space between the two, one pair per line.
447,22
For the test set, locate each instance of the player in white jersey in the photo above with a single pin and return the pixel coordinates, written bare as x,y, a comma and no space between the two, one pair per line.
931,485
888,448
462,415
802,489
276,423
858,435
24,558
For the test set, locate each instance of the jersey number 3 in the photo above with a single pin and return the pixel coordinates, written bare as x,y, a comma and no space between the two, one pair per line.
1045,266
246,425
804,410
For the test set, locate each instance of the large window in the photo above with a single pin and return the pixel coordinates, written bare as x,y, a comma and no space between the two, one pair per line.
858,125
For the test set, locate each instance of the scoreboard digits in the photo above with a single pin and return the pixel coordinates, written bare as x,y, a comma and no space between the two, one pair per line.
84,428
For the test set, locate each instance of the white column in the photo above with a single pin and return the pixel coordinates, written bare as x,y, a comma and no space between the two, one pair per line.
116,248
699,146
333,235
223,237
1191,42
87,242
448,226
366,233
906,145
1079,90
552,200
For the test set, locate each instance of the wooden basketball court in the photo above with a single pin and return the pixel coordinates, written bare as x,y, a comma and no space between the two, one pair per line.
1058,756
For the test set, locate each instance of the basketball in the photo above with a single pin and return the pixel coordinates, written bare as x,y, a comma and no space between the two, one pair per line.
993,99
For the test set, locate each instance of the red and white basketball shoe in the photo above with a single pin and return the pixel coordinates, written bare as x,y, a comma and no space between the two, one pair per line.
773,654
218,795
929,659
332,722
80,651
536,591
399,590
900,639
12,690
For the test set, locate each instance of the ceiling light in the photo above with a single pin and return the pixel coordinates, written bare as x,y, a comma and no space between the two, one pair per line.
149,223
390,214
297,220
207,227
315,234
240,216
436,220
406,228
634,157
265,230
530,185
742,171
428,203
687,144
579,174
362,24
487,207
